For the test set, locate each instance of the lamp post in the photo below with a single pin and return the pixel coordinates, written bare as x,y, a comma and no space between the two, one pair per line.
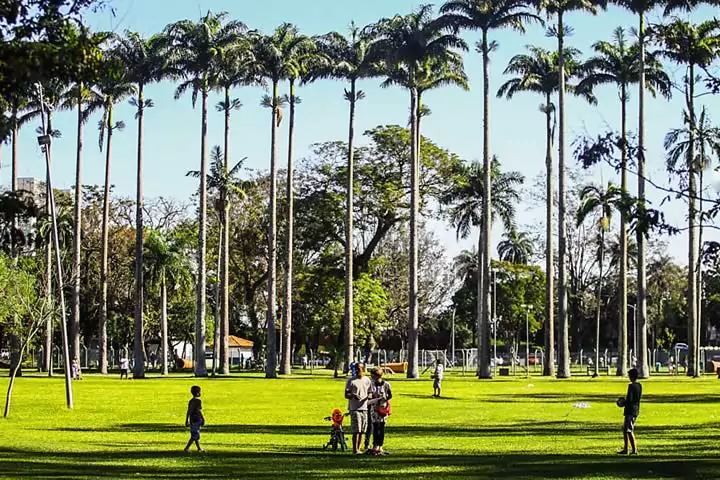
452,340
493,317
527,337
45,141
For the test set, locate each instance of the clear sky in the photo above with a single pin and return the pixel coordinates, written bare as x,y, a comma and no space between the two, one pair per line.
172,141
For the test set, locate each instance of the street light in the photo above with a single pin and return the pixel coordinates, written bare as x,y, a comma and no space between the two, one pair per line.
453,337
494,318
494,325
527,337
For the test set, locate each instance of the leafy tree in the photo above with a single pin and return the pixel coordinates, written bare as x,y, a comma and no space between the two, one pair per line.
517,247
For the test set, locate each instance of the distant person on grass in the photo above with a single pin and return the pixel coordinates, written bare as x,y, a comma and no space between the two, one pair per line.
437,378
124,367
194,419
357,391
631,404
380,395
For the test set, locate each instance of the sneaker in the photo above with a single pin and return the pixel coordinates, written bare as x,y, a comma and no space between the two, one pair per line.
634,452
186,450
622,452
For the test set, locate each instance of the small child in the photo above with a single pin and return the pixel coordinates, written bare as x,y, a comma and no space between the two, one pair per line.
194,419
631,410
438,376
124,367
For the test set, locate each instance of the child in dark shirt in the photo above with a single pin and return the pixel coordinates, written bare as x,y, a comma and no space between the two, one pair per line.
631,410
194,419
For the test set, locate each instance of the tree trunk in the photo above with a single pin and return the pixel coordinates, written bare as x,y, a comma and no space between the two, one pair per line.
621,369
480,306
641,304
349,241
14,373
14,175
698,264
286,363
163,326
225,254
414,211
77,234
599,301
104,247
139,367
217,331
48,293
484,333
564,337
693,369
200,368
271,360
549,360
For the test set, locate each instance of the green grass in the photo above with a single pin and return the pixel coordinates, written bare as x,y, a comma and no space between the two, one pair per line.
256,428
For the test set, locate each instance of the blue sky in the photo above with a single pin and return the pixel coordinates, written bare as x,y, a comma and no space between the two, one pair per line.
172,142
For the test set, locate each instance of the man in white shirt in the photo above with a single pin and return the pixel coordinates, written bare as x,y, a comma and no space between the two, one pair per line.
438,376
124,367
357,391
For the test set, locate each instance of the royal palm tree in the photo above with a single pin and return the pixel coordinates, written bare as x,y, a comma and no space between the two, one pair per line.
407,43
113,88
297,61
640,8
238,68
601,201
145,61
516,247
196,49
695,47
465,264
275,52
348,60
559,8
487,16
165,267
537,72
617,63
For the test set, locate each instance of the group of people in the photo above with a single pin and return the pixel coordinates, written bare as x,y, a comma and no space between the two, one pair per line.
369,408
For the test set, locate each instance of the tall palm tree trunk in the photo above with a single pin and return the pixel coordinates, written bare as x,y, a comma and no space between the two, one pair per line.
414,211
139,367
271,355
217,332
286,364
349,210
200,327
14,174
564,337
48,294
105,234
698,264
621,368
225,254
549,360
693,351
599,302
480,305
484,333
163,327
77,234
641,305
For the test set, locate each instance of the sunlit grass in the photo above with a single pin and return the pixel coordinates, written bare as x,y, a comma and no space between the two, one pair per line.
256,428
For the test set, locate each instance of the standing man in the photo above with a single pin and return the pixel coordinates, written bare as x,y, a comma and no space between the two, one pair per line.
357,391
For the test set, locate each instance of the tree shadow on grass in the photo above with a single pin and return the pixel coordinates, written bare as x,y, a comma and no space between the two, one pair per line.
310,464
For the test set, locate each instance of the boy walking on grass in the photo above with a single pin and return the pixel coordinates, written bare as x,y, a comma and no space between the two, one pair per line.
438,377
194,419
631,404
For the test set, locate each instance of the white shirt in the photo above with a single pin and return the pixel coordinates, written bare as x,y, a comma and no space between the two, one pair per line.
124,363
439,372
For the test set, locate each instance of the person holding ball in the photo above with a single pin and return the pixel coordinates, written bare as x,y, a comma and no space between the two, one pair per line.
631,410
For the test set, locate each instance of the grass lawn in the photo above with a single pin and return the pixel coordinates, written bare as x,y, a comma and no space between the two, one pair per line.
256,428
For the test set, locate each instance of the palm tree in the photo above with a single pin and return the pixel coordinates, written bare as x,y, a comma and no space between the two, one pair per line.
276,53
486,16
80,98
517,247
406,43
238,67
559,8
297,60
110,90
537,72
695,47
465,264
603,200
145,62
196,49
617,63
348,60
165,266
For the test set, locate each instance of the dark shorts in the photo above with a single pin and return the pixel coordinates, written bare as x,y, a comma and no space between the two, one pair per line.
359,421
629,424
195,430
123,371
437,383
